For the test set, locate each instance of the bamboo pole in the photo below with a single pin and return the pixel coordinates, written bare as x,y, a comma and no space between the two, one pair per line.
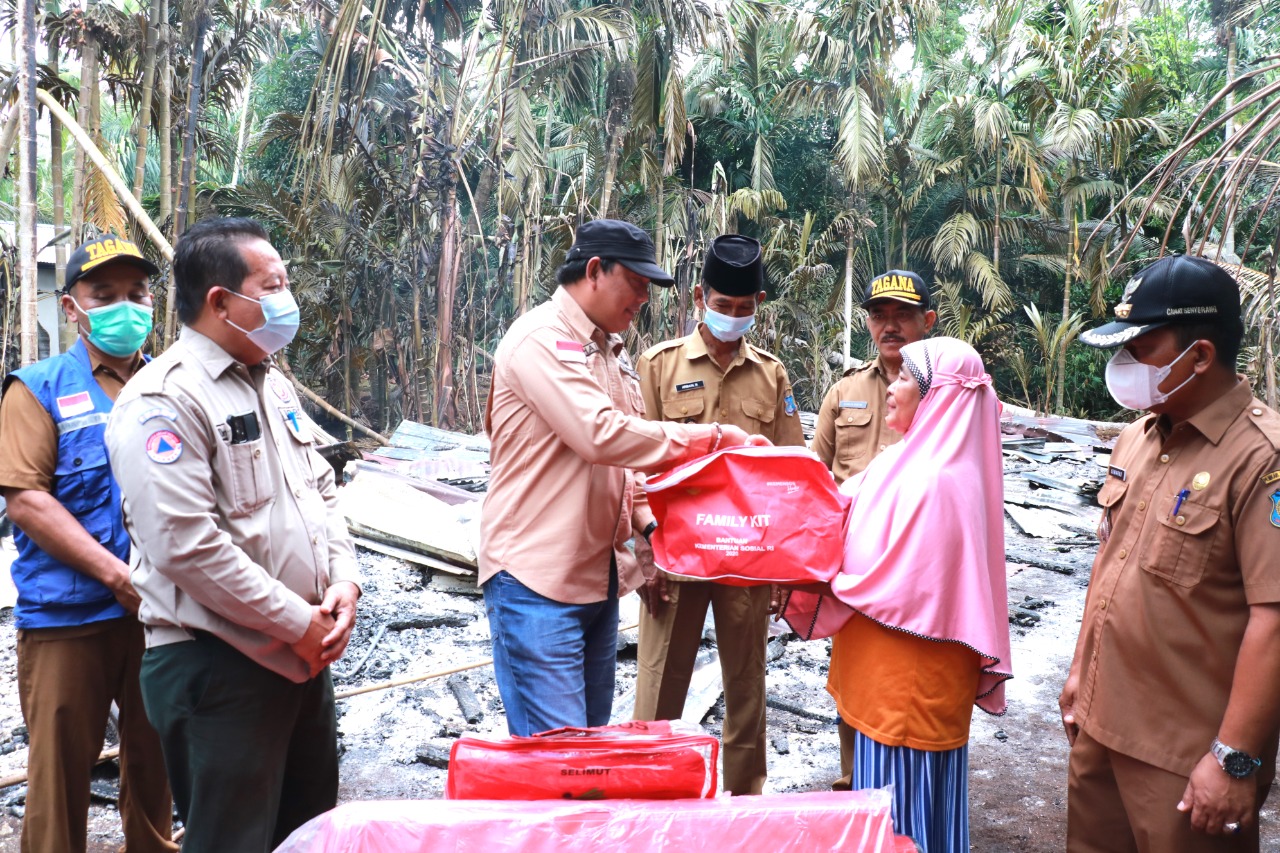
123,190
26,107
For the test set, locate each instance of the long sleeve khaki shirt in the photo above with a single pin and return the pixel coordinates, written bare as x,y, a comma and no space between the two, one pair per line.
566,425
236,535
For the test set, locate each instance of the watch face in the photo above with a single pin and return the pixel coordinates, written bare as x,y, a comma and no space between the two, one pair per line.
1238,764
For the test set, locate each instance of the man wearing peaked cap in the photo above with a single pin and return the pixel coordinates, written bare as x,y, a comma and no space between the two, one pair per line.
565,419
851,426
1171,703
714,374
80,644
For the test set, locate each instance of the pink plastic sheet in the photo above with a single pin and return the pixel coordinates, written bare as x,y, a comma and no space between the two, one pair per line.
813,822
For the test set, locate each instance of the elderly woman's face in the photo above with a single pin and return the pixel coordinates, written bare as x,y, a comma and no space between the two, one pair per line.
903,400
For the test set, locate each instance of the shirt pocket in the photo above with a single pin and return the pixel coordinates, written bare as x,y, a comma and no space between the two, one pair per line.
853,434
250,481
759,414
685,409
1182,544
1109,497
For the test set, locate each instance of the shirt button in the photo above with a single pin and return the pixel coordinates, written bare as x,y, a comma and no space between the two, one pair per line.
1103,604
724,413
1123,553
684,410
297,493
849,419
882,447
1142,505
315,540
1164,457
1180,520
1257,412
257,453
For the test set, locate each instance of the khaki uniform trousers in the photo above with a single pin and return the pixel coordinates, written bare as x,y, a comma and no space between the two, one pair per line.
67,680
669,647
1118,804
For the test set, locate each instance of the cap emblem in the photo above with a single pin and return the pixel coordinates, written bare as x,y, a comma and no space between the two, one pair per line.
1123,309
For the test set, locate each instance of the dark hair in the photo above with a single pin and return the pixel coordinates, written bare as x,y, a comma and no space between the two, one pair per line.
1225,337
572,272
208,254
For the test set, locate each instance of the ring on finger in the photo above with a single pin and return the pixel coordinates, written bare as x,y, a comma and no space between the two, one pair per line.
1233,827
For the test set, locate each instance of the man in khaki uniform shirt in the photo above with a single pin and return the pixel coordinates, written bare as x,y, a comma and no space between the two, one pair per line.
247,575
714,374
1172,703
565,422
851,429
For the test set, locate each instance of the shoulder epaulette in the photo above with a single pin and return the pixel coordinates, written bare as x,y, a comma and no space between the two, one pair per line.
1267,420
662,347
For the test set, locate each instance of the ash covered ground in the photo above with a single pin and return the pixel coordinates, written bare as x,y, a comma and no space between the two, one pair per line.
412,620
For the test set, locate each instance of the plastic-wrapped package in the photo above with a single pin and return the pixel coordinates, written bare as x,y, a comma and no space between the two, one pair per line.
658,760
748,516
805,823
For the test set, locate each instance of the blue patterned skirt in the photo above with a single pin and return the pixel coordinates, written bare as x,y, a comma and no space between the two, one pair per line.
930,791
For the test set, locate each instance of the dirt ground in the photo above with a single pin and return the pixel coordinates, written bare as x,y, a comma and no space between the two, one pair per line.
396,740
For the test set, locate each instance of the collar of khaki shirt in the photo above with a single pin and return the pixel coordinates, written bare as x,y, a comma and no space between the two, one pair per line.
581,325
96,364
1213,420
696,347
213,359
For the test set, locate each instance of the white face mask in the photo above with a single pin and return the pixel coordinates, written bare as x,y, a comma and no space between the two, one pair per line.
1135,385
726,328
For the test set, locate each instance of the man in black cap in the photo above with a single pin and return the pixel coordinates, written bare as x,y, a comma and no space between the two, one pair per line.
710,375
79,642
565,420
851,428
1172,703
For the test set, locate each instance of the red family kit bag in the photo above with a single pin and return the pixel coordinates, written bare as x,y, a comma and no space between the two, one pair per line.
639,760
748,516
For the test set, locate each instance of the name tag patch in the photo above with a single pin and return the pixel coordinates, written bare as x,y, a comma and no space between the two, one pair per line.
1273,477
1118,473
74,404
690,386
158,412
853,404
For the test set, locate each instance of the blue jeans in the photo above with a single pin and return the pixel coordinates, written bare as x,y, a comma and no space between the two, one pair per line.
554,662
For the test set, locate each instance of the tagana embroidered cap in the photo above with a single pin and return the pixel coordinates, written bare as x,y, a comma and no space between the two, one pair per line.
900,286
1174,289
105,250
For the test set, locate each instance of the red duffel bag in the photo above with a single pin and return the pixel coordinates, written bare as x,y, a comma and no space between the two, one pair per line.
748,516
639,760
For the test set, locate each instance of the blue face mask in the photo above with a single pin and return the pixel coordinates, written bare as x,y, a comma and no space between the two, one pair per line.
280,320
725,328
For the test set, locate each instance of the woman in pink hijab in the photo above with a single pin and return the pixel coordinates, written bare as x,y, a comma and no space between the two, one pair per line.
919,612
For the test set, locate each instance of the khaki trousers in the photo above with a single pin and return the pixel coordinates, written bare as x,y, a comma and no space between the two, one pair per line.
669,647
67,680
1117,804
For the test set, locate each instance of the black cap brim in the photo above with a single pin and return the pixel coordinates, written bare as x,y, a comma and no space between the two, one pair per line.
1112,335
653,272
867,303
141,263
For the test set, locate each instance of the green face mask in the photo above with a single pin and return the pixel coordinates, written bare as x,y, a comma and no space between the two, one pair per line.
118,329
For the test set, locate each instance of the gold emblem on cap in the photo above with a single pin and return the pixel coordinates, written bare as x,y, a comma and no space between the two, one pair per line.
1123,309
1200,481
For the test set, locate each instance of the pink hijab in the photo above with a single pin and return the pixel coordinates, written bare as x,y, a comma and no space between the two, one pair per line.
924,541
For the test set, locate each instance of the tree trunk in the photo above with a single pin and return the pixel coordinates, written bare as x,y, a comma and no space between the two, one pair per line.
622,87
848,302
55,177
995,237
1073,260
8,133
84,117
1228,240
185,173
242,140
148,96
29,337
446,286
166,127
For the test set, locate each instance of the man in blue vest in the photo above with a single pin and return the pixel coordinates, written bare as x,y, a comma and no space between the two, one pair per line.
79,641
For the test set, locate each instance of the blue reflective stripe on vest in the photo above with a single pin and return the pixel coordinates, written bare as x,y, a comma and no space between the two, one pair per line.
51,593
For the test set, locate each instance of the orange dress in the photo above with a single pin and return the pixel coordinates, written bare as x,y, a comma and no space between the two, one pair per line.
902,690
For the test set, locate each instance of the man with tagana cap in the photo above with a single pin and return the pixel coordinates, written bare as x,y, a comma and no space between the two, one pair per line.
1172,702
851,427
79,642
715,374
566,422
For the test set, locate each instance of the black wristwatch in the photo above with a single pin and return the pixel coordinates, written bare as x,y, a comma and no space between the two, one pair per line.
647,533
1237,764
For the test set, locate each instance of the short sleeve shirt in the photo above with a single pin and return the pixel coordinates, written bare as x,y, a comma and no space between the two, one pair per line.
1190,532
851,428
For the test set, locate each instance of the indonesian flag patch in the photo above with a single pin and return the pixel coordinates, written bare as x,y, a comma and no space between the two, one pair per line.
571,352
74,404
